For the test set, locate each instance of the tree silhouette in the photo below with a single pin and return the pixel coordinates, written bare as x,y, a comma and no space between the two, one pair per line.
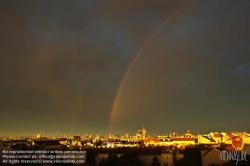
155,162
90,156
112,159
103,162
213,164
185,162
130,159
127,159
193,153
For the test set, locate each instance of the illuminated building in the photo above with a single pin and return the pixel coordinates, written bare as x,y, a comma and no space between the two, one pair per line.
141,134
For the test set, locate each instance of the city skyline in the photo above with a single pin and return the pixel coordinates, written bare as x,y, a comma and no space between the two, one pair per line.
112,66
120,133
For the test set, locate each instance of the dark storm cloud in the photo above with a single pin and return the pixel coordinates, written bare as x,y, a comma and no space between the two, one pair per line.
63,61
56,43
62,51
195,69
137,18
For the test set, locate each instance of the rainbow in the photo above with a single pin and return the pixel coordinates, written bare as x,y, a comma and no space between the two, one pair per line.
82,96
134,59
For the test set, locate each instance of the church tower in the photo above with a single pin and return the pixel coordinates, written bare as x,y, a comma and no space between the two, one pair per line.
143,133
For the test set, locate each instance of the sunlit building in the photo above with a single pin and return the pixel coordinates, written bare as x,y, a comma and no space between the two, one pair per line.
140,135
152,142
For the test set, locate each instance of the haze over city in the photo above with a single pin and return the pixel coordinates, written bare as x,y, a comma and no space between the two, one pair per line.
107,67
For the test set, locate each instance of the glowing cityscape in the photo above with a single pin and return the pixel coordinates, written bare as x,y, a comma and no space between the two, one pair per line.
124,83
167,148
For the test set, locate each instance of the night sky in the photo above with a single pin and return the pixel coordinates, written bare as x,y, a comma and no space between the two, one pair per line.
109,66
